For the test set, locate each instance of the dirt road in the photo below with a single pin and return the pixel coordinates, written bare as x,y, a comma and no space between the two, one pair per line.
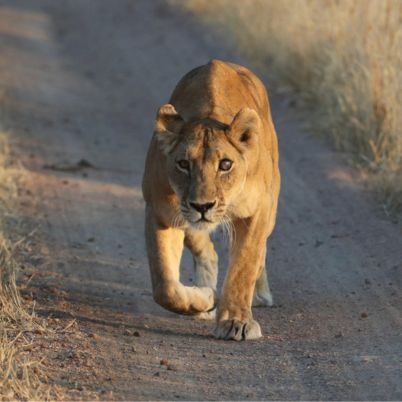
80,82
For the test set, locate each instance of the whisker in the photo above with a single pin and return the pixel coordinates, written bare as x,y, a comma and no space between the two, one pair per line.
177,220
224,229
227,229
229,232
174,221
231,229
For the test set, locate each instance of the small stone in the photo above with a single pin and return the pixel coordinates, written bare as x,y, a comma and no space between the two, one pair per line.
367,281
136,333
339,335
364,315
157,374
72,355
164,362
91,239
83,163
93,336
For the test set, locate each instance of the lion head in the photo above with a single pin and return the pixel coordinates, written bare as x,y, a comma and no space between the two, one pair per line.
208,162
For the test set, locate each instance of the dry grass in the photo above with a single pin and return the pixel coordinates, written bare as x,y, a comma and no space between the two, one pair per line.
19,376
343,58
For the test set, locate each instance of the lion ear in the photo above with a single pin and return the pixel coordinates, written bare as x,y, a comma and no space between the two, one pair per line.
168,124
245,127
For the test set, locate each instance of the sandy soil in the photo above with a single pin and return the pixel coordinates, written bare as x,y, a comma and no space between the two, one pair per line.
80,82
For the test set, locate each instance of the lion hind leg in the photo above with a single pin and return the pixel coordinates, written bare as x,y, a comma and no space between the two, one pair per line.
204,256
262,293
205,264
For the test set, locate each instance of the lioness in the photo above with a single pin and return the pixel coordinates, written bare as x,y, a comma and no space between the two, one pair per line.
213,160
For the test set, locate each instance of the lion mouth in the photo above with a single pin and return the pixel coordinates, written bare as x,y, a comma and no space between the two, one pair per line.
203,219
202,223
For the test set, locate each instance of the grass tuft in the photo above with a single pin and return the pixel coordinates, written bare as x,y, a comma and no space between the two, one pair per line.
19,375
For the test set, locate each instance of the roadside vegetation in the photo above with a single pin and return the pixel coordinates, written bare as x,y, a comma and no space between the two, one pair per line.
343,59
19,375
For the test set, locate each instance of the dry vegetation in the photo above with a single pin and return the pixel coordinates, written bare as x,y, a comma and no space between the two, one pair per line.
19,375
344,60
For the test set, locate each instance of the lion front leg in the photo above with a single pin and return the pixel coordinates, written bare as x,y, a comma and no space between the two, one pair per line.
165,247
234,319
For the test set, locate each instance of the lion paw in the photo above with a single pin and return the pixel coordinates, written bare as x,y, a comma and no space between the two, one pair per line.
206,315
263,299
238,330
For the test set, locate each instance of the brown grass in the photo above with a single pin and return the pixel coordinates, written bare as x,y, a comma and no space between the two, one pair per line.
344,60
19,376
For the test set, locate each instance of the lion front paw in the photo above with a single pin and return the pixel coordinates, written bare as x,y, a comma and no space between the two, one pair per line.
238,330
206,315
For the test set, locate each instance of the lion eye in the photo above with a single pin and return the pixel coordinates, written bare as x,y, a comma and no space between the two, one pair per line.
225,165
184,164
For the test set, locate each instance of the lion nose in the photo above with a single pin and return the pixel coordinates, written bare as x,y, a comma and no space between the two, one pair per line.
202,208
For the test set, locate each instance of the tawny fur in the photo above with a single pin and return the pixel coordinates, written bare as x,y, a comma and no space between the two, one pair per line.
217,111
